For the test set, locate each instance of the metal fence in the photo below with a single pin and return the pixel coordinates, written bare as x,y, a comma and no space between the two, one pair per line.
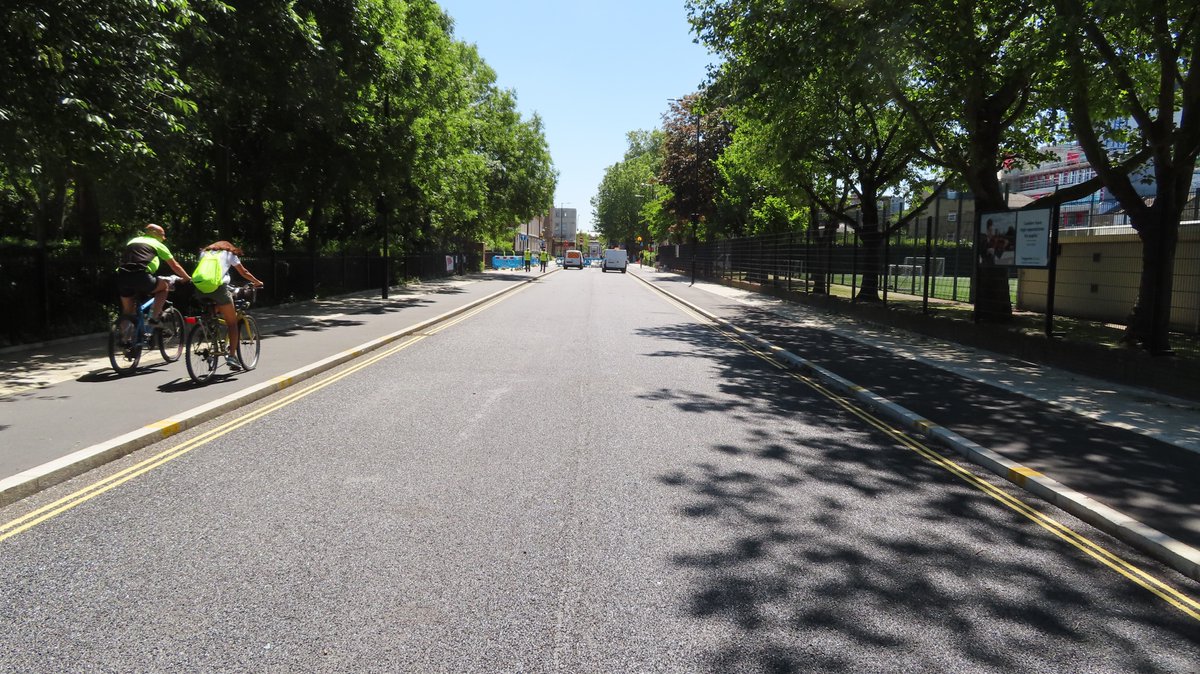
1097,277
797,263
57,292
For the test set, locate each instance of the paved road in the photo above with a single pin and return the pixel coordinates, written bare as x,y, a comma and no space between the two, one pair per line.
582,477
1145,469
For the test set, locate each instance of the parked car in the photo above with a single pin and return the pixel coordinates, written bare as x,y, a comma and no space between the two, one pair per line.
573,258
615,258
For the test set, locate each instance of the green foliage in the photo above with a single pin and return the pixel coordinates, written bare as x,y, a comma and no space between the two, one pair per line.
624,203
694,138
275,123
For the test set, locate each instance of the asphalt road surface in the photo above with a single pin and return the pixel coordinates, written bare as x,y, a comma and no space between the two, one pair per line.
580,477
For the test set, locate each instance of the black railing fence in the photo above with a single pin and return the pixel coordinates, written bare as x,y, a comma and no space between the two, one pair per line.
1097,277
796,263
56,292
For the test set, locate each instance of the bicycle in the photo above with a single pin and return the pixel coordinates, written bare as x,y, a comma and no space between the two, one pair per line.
129,335
207,338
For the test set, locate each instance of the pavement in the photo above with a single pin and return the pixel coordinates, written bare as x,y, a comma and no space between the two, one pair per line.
1124,459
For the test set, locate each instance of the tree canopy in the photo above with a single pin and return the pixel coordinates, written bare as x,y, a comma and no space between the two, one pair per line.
277,123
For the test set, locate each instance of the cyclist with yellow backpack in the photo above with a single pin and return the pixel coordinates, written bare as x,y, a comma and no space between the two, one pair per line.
211,281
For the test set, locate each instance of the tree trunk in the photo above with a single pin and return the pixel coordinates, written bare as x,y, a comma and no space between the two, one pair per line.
259,235
52,203
872,250
87,213
1150,320
292,208
872,264
993,302
316,222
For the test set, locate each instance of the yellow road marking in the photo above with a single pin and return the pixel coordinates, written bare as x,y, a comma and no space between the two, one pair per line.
1185,604
1019,474
166,427
50,510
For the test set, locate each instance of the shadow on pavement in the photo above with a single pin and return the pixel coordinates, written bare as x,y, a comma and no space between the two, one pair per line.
181,385
1155,482
839,550
100,376
318,326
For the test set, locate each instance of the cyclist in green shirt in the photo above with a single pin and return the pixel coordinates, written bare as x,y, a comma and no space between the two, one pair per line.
139,261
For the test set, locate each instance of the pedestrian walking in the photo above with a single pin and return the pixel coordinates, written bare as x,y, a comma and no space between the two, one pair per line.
543,258
528,256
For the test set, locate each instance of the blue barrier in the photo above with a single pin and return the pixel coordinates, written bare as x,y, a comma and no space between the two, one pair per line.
508,262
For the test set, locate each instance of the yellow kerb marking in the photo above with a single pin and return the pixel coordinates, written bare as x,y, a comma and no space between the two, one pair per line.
1020,474
167,427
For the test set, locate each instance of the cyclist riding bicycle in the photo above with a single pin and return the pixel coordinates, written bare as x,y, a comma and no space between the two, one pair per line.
211,280
135,276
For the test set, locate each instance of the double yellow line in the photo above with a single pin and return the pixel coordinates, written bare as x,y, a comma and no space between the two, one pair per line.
48,511
1188,606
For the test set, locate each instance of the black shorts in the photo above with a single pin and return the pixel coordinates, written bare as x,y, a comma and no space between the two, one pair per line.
135,283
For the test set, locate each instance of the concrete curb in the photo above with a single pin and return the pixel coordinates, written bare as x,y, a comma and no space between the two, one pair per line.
29,482
1176,554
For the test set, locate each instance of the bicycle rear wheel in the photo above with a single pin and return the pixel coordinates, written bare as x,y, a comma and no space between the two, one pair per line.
203,352
124,346
249,341
169,335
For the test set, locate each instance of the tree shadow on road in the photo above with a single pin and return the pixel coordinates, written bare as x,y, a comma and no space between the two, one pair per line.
317,326
1152,481
837,549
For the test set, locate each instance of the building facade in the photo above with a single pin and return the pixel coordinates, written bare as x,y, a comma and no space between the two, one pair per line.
561,229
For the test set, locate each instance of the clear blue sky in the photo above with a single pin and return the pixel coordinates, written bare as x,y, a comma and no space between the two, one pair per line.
593,70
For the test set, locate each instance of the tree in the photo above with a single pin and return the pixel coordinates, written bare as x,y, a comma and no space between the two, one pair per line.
85,84
805,78
275,123
626,190
694,138
1131,77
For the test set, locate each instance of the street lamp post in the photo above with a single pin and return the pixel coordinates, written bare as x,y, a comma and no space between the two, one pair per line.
385,207
696,179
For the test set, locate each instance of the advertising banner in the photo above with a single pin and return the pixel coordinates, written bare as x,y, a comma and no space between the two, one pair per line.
1015,238
1033,238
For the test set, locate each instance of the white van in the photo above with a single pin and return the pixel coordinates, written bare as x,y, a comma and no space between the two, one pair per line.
573,258
615,258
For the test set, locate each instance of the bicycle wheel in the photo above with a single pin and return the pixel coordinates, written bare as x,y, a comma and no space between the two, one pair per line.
203,352
169,335
124,347
249,341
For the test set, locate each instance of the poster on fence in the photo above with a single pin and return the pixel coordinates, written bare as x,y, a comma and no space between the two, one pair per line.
1015,238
